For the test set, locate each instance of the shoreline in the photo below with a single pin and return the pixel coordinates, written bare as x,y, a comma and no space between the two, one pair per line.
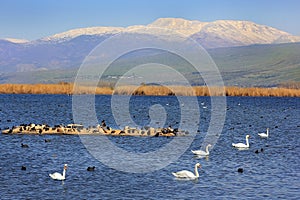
148,90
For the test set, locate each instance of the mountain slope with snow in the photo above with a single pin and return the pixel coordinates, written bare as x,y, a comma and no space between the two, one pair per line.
15,40
226,33
67,50
221,33
83,31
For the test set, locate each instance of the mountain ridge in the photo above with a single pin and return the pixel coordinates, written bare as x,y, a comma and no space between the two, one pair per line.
66,51
235,32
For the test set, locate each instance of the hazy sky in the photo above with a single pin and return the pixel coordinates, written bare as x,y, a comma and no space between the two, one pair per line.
34,19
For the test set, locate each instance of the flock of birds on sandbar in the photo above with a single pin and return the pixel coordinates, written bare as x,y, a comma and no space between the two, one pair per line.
101,129
185,174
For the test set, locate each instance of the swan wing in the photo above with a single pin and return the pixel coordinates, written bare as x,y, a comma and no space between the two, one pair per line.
263,135
235,144
184,174
239,145
56,176
199,152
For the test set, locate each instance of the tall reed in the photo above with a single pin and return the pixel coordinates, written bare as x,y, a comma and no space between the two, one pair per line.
68,88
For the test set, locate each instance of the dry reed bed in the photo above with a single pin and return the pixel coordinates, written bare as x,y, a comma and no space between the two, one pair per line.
67,88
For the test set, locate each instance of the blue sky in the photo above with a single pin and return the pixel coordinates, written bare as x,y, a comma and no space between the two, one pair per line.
34,19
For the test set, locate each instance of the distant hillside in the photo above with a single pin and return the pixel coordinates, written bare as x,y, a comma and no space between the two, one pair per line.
246,53
259,65
256,65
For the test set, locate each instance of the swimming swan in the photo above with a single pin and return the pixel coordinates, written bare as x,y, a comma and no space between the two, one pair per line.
242,145
58,176
200,152
188,174
264,135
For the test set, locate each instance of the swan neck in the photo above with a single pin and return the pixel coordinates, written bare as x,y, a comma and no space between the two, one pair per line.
207,149
196,171
64,173
247,142
267,132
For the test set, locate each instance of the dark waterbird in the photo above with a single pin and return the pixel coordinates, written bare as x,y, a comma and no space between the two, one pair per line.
24,145
240,170
261,150
23,167
91,168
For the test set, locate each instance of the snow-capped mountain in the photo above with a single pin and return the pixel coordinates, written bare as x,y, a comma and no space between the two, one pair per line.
15,40
83,31
221,33
225,33
68,49
179,25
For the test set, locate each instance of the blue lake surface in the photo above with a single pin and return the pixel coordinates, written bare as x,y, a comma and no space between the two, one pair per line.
271,174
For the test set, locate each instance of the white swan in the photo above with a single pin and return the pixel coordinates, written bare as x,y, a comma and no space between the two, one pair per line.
188,174
200,152
264,135
242,145
59,176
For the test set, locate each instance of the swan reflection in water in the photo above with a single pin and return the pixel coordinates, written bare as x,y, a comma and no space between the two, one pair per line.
201,157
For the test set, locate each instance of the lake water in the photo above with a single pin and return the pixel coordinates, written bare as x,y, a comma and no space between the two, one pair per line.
271,174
